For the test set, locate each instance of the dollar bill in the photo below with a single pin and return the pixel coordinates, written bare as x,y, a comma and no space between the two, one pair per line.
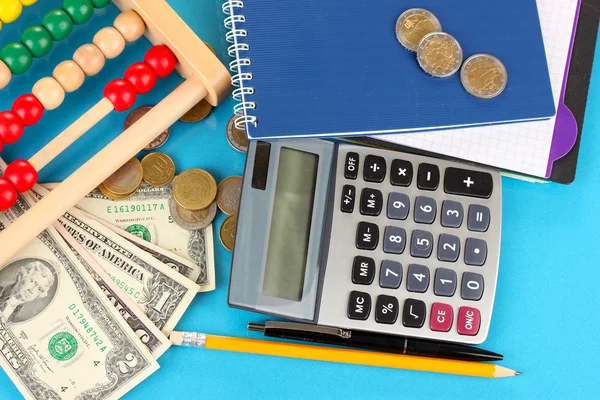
60,337
146,214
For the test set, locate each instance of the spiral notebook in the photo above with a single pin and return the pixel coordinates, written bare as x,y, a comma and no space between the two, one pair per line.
335,68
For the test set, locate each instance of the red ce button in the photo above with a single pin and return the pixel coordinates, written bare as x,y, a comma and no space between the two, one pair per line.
441,317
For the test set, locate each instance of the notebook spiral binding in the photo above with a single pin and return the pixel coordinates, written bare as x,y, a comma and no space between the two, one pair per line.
239,77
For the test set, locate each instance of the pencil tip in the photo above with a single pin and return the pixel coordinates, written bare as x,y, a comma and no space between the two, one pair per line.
518,373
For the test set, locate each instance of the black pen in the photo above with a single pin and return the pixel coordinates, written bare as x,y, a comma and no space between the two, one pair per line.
373,341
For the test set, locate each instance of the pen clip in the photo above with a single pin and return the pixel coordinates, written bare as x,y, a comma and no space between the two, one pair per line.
298,327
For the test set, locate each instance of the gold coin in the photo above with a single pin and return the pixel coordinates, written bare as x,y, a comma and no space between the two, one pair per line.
228,194
484,76
413,25
192,220
158,168
236,137
126,179
114,196
198,112
227,232
194,189
440,54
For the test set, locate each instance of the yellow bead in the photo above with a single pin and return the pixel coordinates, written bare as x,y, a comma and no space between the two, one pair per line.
69,75
49,92
27,3
130,25
110,42
5,75
0,25
10,10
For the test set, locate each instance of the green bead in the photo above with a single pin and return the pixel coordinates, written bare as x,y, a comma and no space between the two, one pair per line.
16,57
101,3
37,40
80,11
58,23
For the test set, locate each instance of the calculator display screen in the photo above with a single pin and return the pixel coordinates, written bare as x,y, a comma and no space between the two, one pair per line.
290,224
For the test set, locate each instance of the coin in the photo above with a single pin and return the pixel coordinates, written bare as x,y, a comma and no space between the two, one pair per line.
138,113
413,24
228,194
126,179
227,232
484,76
114,196
198,112
158,168
236,137
439,54
194,189
192,220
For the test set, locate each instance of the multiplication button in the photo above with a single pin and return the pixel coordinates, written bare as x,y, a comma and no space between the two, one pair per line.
359,305
401,173
367,236
413,315
386,309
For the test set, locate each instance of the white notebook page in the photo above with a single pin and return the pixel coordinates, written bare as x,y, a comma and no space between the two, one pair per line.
521,147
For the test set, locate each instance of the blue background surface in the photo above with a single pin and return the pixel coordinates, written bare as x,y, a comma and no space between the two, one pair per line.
545,320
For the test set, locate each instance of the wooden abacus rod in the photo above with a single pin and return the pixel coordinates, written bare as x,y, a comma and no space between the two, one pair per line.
100,167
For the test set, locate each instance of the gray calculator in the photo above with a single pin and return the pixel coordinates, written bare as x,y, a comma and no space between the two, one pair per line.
368,239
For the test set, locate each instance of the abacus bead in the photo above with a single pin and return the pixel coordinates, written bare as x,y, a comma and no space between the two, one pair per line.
69,75
28,108
1,146
8,194
49,92
27,3
58,24
120,93
10,10
101,3
130,25
80,11
141,77
37,40
21,174
11,127
161,59
110,42
5,75
0,25
90,59
16,57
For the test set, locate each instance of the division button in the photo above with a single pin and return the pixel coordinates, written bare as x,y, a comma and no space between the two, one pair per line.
375,169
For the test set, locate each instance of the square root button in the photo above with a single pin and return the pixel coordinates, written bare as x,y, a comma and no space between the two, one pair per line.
441,317
469,320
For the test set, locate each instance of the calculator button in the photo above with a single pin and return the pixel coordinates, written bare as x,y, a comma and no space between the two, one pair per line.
421,244
469,320
401,173
475,252
371,202
386,309
428,177
359,305
452,214
367,236
398,206
413,315
351,166
468,183
348,197
390,275
448,248
445,282
375,169
425,210
472,286
479,218
363,270
394,240
441,317
417,279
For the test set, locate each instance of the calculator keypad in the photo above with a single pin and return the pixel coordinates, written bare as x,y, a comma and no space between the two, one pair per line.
428,177
398,206
367,236
448,248
417,279
371,202
452,214
386,309
425,210
421,244
348,198
375,169
401,173
479,218
390,276
359,305
445,282
475,252
414,313
363,270
394,240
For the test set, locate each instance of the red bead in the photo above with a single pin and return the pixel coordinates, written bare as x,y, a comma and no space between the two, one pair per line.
120,93
8,194
161,59
141,76
1,146
11,127
21,174
29,108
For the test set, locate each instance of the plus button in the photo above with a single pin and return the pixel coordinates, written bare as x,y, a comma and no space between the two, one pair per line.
468,182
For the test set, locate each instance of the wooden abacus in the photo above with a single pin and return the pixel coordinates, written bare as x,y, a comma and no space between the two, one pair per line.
176,45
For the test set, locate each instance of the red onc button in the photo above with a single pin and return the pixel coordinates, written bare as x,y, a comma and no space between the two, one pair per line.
441,317
469,320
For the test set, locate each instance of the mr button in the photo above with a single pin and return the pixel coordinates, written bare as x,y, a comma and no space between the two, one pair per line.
469,320
359,305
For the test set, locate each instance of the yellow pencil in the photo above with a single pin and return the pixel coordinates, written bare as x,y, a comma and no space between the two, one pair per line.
340,355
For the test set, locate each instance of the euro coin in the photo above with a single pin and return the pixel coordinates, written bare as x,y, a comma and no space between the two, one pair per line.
484,76
194,189
439,54
413,24
198,112
227,232
138,113
114,196
236,137
159,169
228,194
192,220
126,179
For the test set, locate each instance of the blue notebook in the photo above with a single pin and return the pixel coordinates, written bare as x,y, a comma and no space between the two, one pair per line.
336,68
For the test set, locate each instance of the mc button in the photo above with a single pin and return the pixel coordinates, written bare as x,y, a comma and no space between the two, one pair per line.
359,305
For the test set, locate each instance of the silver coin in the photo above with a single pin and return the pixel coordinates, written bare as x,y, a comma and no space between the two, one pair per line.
236,137
484,76
413,25
440,54
192,220
159,141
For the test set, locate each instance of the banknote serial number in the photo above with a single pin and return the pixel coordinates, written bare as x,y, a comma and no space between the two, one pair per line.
131,291
85,324
130,208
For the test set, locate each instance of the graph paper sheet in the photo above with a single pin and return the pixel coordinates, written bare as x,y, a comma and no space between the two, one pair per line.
522,147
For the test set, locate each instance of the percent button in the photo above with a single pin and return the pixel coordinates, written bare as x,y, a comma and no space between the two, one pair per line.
387,309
